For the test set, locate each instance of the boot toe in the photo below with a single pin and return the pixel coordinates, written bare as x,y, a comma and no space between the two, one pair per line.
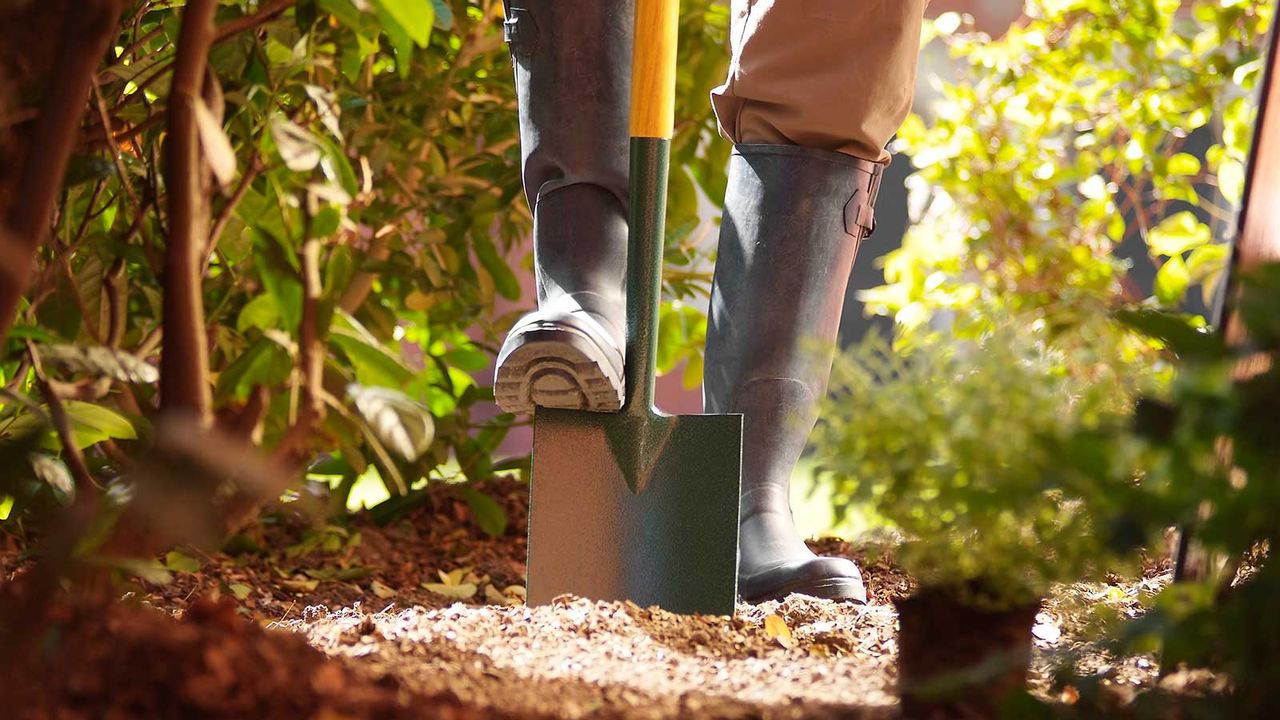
821,577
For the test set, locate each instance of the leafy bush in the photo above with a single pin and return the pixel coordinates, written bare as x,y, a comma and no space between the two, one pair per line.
371,147
1058,141
972,450
1215,468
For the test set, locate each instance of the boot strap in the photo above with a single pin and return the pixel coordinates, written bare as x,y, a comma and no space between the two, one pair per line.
860,212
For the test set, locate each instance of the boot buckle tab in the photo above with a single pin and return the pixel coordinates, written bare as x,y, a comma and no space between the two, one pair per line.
860,214
519,31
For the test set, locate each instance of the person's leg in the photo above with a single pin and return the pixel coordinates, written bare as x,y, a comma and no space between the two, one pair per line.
573,66
816,88
832,75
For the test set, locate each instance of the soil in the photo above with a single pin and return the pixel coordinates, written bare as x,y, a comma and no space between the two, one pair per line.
424,617
943,639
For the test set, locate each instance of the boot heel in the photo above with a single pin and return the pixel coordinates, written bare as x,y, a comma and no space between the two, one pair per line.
556,368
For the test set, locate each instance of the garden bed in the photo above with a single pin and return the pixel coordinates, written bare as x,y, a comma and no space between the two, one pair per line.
390,646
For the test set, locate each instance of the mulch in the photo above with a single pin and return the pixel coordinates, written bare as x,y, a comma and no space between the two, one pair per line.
423,617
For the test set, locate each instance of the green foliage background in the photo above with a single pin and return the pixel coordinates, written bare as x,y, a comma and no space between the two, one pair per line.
996,440
385,129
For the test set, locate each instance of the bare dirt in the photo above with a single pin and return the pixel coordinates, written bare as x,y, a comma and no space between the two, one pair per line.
424,618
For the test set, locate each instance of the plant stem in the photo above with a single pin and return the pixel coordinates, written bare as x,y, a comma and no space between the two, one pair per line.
184,362
24,225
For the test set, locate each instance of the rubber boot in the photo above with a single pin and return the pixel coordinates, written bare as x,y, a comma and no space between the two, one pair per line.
572,63
793,220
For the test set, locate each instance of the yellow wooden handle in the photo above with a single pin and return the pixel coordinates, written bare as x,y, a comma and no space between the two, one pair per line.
653,68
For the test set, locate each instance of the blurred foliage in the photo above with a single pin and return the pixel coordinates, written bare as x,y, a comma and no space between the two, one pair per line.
998,442
979,452
387,130
1215,468
1058,141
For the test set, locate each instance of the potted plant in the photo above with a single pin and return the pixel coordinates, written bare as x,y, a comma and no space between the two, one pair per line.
977,451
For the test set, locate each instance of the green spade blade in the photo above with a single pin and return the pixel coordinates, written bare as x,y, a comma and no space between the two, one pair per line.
670,542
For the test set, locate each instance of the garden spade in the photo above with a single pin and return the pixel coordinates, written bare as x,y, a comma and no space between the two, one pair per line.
639,505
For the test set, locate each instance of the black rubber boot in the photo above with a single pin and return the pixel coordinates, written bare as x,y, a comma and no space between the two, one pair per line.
573,68
793,220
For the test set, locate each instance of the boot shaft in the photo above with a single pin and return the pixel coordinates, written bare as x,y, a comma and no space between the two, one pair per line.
793,221
572,63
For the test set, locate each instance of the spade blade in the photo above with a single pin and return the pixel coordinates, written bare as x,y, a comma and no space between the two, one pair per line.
636,507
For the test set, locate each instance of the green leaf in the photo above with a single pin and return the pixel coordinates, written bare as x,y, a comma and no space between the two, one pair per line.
470,359
1174,331
261,312
304,14
399,422
489,515
267,362
92,424
397,507
413,18
178,561
504,281
373,363
1183,164
279,273
1172,281
1177,234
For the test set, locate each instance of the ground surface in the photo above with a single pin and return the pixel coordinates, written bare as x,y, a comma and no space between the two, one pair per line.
423,618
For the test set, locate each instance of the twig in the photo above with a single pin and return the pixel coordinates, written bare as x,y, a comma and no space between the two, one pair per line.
83,43
136,44
265,13
62,426
116,310
184,362
109,133
293,446
251,173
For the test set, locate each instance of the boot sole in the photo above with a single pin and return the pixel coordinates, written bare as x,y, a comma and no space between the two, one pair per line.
556,368
840,590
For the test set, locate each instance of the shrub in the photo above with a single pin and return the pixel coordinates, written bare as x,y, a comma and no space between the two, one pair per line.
970,448
1060,140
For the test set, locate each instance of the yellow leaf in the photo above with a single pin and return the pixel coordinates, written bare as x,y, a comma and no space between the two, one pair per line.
418,301
496,597
381,590
457,592
775,627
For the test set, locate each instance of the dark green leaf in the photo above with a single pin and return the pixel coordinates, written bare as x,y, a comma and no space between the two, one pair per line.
489,515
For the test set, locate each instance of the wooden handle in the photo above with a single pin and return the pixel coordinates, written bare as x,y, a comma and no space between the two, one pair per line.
653,68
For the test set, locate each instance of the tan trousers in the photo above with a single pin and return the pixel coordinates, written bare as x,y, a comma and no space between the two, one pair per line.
828,74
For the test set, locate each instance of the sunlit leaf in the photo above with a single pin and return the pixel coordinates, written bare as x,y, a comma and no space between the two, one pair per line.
776,629
216,145
299,149
402,424
100,361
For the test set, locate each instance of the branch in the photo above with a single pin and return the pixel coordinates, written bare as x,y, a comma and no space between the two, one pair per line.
267,12
62,426
292,450
184,361
24,225
112,147
251,173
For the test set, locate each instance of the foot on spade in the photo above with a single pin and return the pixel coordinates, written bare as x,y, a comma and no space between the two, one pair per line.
560,356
